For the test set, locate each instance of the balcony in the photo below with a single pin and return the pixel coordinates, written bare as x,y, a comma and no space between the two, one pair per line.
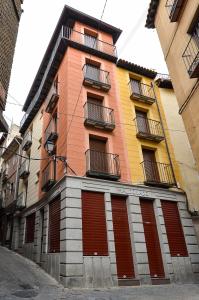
52,98
96,78
24,169
50,133
27,141
99,116
157,174
102,165
21,201
191,57
174,7
5,175
149,129
142,92
48,176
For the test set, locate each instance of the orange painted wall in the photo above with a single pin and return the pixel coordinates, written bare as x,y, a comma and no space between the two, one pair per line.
70,88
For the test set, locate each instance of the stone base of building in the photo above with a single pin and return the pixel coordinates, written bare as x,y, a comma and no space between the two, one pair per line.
73,269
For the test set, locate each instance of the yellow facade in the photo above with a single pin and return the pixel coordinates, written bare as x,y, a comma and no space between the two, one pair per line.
134,145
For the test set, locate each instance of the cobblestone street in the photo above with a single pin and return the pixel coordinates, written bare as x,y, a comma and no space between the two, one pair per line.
22,279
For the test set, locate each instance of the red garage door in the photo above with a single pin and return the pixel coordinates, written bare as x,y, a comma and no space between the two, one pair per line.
124,258
152,240
174,230
94,224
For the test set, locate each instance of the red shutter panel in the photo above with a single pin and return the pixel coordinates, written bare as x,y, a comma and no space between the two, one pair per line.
54,226
174,230
152,239
124,258
94,224
30,228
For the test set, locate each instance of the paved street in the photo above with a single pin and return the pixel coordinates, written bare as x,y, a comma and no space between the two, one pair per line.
22,279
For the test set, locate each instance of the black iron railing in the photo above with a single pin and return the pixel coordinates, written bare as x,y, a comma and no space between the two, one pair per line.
89,41
24,169
191,57
27,140
157,173
95,74
173,7
48,176
103,165
141,91
21,201
51,131
148,128
99,115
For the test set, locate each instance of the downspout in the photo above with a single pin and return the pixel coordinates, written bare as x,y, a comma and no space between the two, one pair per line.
167,147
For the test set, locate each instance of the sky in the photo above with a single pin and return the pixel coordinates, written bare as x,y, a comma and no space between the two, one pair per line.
136,43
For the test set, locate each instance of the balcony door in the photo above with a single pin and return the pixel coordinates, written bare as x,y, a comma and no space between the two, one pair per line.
150,166
93,72
135,85
142,122
90,41
98,156
95,110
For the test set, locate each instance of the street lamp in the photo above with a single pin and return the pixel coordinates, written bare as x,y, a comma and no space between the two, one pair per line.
49,147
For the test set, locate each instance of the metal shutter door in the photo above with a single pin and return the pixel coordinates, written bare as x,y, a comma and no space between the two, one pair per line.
152,239
30,228
124,258
94,224
174,230
54,226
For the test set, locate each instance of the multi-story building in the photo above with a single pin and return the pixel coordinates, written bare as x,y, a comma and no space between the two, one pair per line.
10,17
93,217
9,165
181,51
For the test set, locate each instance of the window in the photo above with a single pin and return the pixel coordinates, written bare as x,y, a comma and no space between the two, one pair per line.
90,39
94,224
30,228
135,86
54,226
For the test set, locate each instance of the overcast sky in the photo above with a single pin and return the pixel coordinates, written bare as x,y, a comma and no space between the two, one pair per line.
136,43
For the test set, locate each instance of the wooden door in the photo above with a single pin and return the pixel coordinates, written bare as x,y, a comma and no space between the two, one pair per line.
93,72
98,156
142,122
150,166
95,109
124,257
54,226
94,224
135,86
152,240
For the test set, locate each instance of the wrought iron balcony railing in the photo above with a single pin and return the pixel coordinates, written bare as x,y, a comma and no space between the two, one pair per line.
51,134
141,92
24,169
88,41
21,201
27,141
191,57
96,78
52,98
99,116
174,7
102,165
5,174
158,174
48,176
149,129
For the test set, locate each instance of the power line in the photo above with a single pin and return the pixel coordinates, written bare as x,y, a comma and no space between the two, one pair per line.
26,157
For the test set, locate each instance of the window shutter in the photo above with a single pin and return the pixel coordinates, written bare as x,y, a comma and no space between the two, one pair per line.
174,230
54,226
94,224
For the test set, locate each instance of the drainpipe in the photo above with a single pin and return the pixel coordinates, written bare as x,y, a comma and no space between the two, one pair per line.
16,192
167,147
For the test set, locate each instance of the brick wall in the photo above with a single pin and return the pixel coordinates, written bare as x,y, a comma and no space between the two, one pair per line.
10,12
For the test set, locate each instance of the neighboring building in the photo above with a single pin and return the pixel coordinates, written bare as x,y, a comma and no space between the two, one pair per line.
10,17
89,221
8,183
177,26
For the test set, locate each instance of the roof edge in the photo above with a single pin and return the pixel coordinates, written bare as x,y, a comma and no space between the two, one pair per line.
136,68
152,10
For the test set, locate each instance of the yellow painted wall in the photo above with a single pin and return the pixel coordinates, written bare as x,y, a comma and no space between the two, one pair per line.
133,144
